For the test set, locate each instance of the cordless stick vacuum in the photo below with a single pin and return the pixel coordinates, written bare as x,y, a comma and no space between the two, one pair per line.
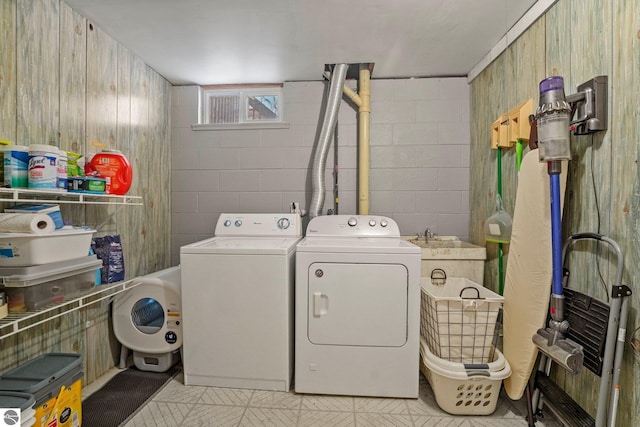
553,116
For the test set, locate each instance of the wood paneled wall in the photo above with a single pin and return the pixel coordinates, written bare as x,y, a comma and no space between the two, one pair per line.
577,40
65,82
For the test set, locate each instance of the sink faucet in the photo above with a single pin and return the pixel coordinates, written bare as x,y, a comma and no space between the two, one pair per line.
428,235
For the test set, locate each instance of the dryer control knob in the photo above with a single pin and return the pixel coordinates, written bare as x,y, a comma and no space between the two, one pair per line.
372,222
227,223
283,223
383,223
238,222
352,222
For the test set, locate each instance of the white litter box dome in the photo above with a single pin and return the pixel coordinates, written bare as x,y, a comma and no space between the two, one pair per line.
148,318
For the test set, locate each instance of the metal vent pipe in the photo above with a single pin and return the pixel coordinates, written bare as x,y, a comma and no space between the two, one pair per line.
338,76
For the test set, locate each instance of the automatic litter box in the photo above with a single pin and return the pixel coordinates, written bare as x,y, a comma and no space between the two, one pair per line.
147,319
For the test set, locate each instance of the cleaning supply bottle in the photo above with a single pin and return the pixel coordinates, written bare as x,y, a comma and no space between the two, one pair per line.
43,167
3,145
115,167
61,165
16,166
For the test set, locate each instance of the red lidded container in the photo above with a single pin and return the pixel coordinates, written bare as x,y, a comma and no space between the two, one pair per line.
115,167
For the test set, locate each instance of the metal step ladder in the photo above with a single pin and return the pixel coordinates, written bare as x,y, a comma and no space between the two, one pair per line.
597,327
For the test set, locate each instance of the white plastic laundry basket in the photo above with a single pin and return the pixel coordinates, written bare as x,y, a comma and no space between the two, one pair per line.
458,319
460,389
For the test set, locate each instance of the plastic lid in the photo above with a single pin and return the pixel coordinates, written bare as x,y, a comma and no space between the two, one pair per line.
37,373
43,147
12,399
552,83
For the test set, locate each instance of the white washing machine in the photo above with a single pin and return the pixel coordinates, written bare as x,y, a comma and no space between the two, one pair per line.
147,319
237,300
357,308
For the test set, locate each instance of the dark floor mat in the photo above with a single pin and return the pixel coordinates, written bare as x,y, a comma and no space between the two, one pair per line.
122,396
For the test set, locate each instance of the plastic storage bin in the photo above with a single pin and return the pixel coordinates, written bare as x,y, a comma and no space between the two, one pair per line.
458,319
44,377
464,389
30,288
23,249
23,401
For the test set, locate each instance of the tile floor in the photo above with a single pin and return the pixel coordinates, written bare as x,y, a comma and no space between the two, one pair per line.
188,406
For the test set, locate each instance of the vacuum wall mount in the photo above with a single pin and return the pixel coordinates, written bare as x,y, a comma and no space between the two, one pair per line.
589,106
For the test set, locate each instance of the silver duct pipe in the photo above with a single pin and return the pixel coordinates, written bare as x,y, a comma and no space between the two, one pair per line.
338,77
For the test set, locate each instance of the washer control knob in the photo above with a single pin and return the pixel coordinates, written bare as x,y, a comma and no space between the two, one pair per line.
352,222
238,222
283,223
383,223
372,222
227,222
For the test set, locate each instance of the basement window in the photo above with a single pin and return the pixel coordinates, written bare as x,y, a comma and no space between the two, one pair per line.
241,105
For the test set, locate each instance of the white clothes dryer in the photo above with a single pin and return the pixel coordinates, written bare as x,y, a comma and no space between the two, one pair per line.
357,308
147,319
237,299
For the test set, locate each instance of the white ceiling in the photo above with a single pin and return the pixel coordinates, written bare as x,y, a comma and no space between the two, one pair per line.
270,41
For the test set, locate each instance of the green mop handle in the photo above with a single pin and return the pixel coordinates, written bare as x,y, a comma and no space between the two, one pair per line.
519,150
500,247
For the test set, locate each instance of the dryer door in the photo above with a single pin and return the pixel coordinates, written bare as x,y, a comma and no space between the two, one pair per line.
357,304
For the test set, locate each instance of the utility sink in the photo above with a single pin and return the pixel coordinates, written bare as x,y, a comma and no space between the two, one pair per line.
456,258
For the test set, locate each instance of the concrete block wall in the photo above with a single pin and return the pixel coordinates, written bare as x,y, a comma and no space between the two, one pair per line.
419,159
